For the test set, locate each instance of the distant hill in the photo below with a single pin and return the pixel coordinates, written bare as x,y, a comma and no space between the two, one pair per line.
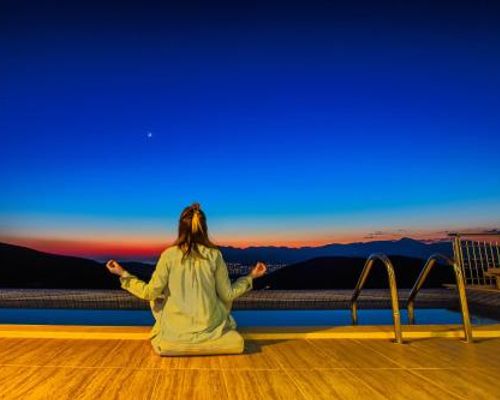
343,273
404,247
21,267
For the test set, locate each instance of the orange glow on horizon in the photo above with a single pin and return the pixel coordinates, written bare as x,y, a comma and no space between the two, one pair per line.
137,247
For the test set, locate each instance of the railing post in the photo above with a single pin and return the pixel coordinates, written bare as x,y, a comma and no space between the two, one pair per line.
457,253
463,303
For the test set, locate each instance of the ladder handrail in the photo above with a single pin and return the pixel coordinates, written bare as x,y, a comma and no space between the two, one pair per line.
393,290
431,261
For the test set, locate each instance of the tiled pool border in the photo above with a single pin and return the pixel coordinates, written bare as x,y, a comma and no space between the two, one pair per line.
481,302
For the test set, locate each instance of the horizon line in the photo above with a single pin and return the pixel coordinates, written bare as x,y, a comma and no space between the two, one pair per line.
154,251
144,248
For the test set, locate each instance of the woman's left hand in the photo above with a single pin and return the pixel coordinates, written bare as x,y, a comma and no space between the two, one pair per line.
259,270
114,267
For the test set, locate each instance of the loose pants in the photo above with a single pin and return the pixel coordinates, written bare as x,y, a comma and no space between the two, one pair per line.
231,342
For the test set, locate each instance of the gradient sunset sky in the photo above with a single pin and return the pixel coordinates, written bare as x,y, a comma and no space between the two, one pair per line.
292,123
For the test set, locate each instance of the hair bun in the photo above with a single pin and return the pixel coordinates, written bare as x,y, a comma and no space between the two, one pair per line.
195,206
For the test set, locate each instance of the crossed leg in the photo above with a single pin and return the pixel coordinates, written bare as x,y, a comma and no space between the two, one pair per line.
231,342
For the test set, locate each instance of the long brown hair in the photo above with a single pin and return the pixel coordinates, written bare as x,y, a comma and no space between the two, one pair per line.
193,230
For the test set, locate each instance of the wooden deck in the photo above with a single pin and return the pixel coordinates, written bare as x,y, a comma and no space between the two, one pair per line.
433,368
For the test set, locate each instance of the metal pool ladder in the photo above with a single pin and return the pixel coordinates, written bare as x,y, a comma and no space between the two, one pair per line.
432,260
393,290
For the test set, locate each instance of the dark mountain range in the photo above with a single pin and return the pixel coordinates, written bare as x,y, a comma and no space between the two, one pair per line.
287,255
343,273
21,267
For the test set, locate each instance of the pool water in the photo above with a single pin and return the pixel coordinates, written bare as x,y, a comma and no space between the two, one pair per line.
244,318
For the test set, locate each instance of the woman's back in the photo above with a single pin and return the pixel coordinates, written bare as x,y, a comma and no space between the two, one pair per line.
190,297
199,294
190,292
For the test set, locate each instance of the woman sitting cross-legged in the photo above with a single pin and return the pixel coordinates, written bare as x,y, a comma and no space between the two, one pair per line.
190,293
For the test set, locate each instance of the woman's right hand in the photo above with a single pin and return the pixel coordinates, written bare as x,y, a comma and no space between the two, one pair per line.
115,268
259,270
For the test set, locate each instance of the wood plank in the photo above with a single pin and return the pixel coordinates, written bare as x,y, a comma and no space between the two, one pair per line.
257,355
115,383
19,382
109,383
490,350
474,384
439,353
140,354
198,362
73,353
331,384
189,384
10,346
75,383
400,384
404,355
480,354
131,354
260,385
29,351
298,354
351,354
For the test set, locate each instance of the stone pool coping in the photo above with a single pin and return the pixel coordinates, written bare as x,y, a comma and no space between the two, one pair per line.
255,299
481,301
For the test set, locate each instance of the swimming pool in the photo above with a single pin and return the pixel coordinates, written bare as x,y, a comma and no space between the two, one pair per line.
244,318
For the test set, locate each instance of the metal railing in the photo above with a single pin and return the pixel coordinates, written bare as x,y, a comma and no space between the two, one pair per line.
393,290
431,261
476,255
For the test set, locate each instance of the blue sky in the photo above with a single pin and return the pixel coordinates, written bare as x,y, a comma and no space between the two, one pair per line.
290,122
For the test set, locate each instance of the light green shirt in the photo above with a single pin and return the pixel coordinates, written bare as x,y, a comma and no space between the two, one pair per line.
190,300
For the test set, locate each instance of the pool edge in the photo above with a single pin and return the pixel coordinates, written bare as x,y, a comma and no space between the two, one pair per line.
254,333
